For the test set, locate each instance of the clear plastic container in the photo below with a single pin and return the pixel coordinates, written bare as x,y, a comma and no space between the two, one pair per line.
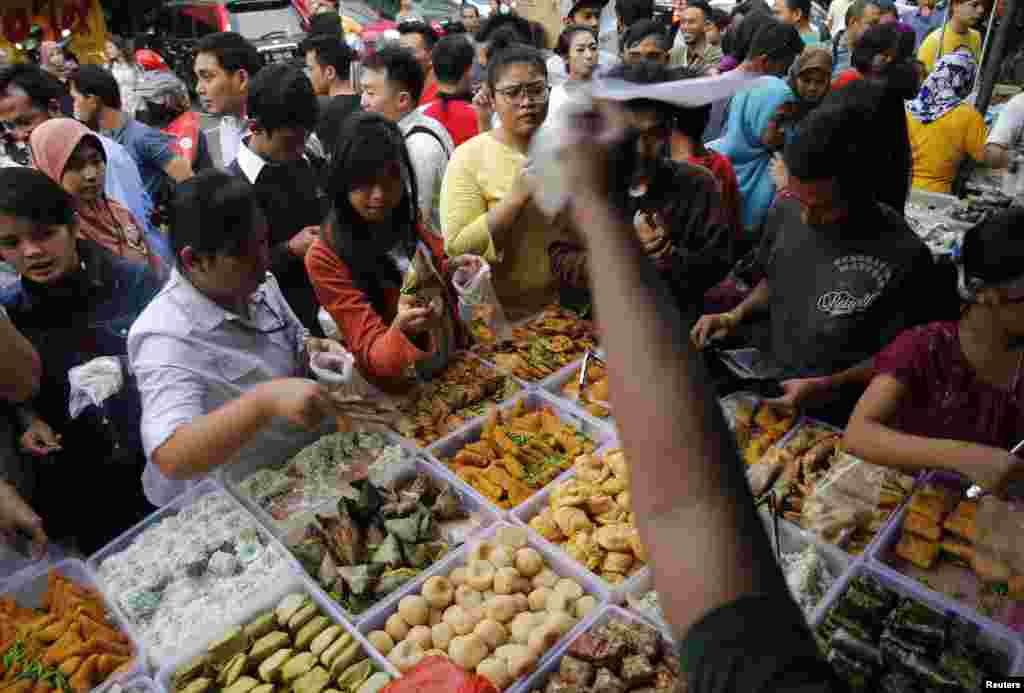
28,587
555,560
993,636
266,601
288,565
600,432
140,684
538,679
553,385
471,501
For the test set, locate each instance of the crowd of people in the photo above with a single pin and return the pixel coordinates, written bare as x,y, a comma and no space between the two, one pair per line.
211,251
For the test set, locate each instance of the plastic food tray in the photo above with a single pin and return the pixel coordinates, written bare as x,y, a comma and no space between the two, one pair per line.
472,501
991,635
555,560
266,601
523,513
538,679
173,508
141,684
553,385
885,553
599,431
29,586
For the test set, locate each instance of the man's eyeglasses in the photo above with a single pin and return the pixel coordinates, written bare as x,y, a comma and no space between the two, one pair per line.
534,91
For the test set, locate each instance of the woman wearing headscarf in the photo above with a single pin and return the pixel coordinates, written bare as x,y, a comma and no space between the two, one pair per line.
809,79
943,129
72,156
742,35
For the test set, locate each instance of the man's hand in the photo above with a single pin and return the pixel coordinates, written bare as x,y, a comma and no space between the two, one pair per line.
991,468
484,107
15,514
651,233
315,345
412,318
39,440
302,402
710,328
298,245
801,392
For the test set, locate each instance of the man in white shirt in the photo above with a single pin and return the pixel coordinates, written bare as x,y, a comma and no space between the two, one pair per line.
221,360
1007,133
225,64
392,83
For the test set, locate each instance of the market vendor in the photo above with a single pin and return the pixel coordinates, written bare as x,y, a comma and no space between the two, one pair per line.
220,358
948,395
74,302
843,274
357,268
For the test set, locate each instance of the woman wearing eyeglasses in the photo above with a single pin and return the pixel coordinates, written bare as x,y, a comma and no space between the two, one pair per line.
487,204
950,395
74,302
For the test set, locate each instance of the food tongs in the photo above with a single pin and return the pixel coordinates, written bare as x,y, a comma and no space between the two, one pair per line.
589,357
976,491
773,509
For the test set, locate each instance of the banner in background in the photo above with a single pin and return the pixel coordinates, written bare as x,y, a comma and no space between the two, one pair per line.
83,18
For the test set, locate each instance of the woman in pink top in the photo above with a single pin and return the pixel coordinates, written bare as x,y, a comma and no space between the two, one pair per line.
950,395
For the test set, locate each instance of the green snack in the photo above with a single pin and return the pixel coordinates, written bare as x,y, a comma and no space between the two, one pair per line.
302,617
328,656
324,640
228,646
268,645
288,607
270,669
297,666
375,683
347,658
242,685
354,677
190,670
233,670
200,685
313,681
389,553
393,579
263,625
309,631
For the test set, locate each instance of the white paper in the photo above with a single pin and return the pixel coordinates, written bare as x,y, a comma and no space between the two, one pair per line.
684,92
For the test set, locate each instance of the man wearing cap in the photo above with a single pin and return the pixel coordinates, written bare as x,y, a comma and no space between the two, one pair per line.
585,13
691,48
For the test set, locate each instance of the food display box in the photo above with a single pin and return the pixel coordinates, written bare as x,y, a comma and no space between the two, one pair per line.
599,432
28,587
531,508
283,564
471,501
993,636
537,681
266,601
957,585
139,684
554,384
556,560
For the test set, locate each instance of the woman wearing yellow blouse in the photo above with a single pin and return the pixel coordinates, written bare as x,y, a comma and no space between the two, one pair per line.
944,129
486,197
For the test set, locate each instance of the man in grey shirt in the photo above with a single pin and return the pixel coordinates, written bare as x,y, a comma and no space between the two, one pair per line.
220,358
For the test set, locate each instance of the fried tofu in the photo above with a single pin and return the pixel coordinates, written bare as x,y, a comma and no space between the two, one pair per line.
934,501
962,521
918,551
922,526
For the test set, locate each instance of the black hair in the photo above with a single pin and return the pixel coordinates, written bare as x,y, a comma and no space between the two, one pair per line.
27,193
452,56
593,4
538,35
908,41
702,6
42,88
214,213
400,67
331,51
469,6
232,51
857,9
326,24
513,55
565,38
367,143
746,30
830,144
282,96
778,42
632,11
720,18
123,45
93,80
638,31
690,120
645,72
803,5
877,39
510,24
421,28
992,250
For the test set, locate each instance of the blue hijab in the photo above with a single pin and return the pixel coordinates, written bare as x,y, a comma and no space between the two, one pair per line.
749,114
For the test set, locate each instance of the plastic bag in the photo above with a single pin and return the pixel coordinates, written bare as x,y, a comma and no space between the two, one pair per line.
480,310
93,383
338,373
439,675
845,501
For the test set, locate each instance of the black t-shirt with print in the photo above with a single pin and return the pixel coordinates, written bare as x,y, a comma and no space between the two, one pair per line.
840,293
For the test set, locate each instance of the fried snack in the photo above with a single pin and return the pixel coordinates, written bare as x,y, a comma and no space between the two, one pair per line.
934,501
594,395
962,520
464,390
542,346
918,551
594,526
922,526
517,454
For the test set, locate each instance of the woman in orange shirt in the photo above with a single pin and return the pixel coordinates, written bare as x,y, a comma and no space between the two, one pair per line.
358,264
